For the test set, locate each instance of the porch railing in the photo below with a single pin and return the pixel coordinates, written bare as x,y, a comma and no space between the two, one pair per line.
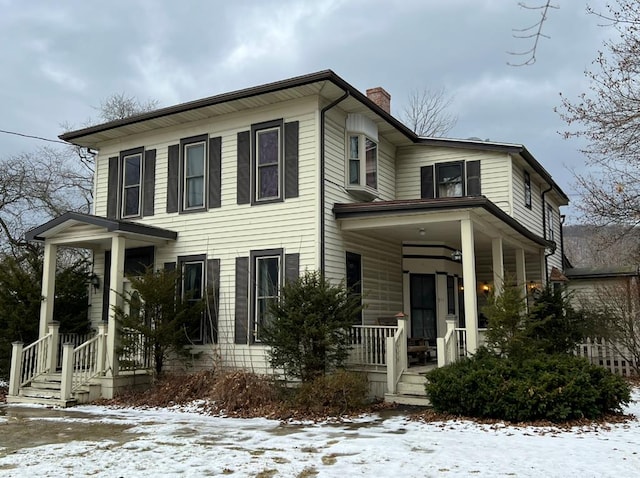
82,363
134,352
75,339
448,346
368,344
396,356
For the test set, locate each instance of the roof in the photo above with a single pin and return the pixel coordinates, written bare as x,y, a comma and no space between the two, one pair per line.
325,83
69,219
397,207
602,272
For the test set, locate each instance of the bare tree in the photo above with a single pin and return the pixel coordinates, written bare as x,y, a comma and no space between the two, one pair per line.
121,105
426,112
531,33
608,117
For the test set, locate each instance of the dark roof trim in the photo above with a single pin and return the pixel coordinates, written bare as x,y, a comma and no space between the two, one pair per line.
110,225
325,75
381,208
590,273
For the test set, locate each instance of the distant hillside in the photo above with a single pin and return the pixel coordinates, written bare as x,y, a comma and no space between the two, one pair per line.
611,246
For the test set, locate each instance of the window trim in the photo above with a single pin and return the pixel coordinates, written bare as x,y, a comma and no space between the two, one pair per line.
550,225
184,143
436,179
361,186
139,151
256,129
182,262
253,284
527,190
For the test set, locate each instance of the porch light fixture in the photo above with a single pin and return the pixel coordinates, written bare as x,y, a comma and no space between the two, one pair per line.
421,231
485,288
95,282
456,256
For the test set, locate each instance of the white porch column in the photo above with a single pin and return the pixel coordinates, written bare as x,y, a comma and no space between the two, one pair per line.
116,275
521,272
470,282
48,287
498,265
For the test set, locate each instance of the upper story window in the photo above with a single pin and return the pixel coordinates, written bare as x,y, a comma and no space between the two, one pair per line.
527,190
451,179
268,163
361,156
550,226
195,156
131,185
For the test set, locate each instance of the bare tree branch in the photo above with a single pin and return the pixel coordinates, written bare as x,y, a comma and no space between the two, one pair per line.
533,32
426,112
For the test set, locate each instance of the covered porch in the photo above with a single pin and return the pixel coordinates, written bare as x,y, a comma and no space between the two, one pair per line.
97,367
456,252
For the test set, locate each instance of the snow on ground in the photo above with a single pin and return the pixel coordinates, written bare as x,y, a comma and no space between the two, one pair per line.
186,444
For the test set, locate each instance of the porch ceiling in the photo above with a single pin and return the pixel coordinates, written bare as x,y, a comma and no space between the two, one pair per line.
95,232
437,221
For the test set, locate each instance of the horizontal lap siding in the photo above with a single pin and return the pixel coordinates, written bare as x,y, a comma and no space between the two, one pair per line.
495,170
381,259
531,217
234,230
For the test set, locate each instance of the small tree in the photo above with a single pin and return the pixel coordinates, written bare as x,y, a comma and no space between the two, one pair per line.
308,334
154,310
505,313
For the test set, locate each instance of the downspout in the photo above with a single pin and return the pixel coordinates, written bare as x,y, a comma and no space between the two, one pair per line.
322,179
544,228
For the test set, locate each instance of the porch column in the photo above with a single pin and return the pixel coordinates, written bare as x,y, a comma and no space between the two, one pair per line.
543,268
521,272
470,282
498,265
116,275
48,287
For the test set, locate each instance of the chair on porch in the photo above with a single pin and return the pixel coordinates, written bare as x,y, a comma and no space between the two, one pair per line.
418,349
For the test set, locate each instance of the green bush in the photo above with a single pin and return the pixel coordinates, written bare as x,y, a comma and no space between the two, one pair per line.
539,387
335,394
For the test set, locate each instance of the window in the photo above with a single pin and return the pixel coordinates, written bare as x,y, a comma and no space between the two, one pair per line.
131,179
267,178
527,190
362,161
549,222
451,296
354,279
194,170
267,289
192,269
449,179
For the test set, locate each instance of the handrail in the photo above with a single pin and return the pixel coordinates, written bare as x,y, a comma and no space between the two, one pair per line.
86,363
34,359
447,346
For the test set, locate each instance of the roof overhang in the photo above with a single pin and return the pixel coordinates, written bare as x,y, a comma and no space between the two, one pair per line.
88,231
404,220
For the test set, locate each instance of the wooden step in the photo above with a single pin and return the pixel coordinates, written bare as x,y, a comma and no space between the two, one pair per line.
51,402
420,401
409,388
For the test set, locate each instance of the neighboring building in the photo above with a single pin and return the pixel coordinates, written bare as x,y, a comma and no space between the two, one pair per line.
246,189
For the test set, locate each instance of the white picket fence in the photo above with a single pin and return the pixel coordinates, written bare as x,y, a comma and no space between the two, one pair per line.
602,352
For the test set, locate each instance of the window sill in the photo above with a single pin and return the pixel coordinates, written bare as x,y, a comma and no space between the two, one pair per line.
363,193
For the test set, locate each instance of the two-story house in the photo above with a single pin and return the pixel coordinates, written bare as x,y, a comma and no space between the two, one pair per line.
244,190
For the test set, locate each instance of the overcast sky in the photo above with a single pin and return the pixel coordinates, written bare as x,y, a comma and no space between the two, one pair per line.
59,59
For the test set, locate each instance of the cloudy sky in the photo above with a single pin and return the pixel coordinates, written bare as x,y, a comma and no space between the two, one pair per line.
59,59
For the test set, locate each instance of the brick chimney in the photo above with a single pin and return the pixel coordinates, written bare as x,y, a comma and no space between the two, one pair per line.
380,97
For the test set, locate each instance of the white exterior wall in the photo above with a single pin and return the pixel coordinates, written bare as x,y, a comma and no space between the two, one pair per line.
495,171
381,259
232,230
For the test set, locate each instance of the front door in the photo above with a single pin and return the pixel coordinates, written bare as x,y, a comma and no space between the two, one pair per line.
423,307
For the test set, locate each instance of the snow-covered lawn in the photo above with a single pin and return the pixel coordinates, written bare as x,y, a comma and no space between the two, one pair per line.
186,444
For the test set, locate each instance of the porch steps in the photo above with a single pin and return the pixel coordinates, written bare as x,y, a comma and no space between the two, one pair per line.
410,390
44,390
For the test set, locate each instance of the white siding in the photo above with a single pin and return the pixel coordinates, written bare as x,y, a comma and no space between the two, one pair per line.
495,170
232,230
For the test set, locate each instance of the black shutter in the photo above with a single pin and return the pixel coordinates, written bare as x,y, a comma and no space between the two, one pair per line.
106,286
242,300
473,178
291,159
149,182
213,291
112,189
426,182
173,177
291,267
215,171
244,168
